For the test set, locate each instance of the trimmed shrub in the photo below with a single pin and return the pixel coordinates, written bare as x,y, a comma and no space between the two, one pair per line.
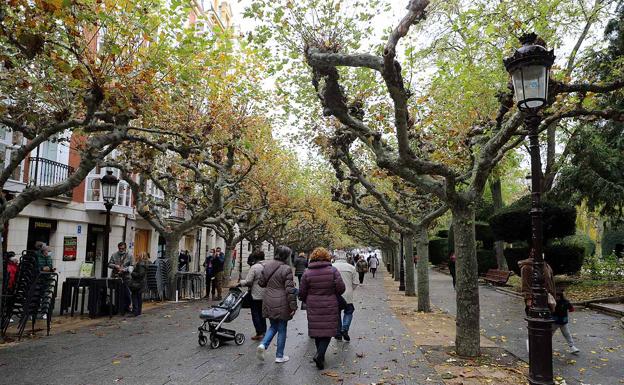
514,221
612,237
580,240
483,235
438,251
442,234
486,260
564,259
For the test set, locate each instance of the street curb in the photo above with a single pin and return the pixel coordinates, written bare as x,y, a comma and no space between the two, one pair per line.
606,310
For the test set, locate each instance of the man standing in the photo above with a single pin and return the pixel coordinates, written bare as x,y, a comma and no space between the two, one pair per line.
120,262
349,277
218,264
209,268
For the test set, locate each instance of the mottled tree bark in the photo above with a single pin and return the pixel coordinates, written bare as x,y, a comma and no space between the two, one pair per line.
468,331
410,281
397,263
497,198
422,249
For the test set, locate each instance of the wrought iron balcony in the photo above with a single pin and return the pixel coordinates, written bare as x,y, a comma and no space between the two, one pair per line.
45,172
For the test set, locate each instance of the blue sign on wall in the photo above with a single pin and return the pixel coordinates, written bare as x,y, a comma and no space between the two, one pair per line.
79,230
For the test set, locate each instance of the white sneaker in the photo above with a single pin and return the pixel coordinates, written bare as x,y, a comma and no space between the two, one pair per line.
574,350
260,352
44,317
280,360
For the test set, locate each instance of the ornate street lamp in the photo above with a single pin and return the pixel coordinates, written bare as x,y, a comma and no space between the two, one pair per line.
529,68
109,184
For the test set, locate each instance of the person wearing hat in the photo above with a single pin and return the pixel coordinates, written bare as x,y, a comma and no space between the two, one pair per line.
301,263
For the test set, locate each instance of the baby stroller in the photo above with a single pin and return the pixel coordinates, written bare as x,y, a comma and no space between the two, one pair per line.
226,311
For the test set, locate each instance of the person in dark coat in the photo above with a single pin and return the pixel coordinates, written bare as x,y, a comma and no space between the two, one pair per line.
320,285
279,301
301,263
137,283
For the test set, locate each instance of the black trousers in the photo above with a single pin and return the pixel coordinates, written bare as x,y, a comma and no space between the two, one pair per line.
209,283
321,346
126,299
361,276
137,302
373,270
259,322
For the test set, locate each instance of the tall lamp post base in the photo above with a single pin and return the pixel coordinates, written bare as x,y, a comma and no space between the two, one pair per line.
540,351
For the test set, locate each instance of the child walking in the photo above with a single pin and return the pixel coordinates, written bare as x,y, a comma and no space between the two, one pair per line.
560,315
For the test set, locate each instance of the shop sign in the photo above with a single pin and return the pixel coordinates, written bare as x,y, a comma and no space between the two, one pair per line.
70,247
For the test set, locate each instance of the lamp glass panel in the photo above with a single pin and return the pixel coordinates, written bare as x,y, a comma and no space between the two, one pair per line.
108,191
534,85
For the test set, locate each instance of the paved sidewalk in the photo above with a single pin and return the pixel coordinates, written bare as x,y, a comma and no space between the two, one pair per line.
161,347
600,338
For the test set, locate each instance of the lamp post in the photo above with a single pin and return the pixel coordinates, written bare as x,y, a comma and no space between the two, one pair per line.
529,68
109,184
401,267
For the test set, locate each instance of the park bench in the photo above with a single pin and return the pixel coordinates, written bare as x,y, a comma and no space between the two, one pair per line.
497,277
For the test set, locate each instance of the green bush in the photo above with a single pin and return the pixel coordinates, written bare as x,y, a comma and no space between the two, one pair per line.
442,234
605,269
438,251
486,260
514,221
612,237
483,235
564,259
580,240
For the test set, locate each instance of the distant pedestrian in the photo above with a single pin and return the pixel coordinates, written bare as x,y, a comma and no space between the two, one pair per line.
349,277
257,294
209,268
362,267
373,264
183,260
279,302
301,263
560,316
218,263
137,283
451,266
320,285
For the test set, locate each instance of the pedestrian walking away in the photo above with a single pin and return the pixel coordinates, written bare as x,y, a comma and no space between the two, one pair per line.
257,293
279,302
321,285
301,263
362,267
120,262
560,316
137,283
350,279
373,264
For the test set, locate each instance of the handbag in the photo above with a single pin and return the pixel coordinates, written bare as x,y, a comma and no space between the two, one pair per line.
247,299
552,302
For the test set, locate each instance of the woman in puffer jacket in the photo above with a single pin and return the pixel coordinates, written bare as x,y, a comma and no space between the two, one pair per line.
320,285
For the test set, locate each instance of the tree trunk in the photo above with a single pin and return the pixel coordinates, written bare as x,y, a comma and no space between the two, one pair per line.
227,264
467,325
397,263
499,246
422,249
172,249
410,283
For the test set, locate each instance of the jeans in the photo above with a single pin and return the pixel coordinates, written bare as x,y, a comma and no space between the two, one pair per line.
209,283
321,346
279,327
361,276
565,331
259,322
346,319
137,302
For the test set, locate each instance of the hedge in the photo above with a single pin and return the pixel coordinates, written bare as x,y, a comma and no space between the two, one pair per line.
438,251
580,240
513,222
483,234
612,237
486,260
564,259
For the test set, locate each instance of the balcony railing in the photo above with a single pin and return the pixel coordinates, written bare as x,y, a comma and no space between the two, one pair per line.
45,172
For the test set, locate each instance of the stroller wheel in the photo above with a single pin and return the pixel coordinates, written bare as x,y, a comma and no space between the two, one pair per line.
203,340
239,339
215,342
